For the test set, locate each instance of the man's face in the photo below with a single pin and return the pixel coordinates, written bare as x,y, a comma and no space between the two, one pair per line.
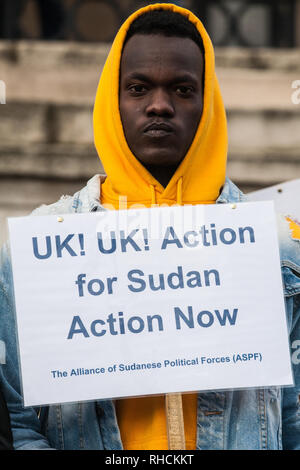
161,97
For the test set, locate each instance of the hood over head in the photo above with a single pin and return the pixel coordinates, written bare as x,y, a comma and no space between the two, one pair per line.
200,176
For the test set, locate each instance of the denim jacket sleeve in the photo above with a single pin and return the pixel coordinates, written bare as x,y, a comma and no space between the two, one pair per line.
24,421
290,261
5,429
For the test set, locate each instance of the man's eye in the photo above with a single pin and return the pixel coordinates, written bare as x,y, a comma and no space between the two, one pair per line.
137,89
184,90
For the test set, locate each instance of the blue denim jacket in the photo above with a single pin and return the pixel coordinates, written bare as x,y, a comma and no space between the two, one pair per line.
235,419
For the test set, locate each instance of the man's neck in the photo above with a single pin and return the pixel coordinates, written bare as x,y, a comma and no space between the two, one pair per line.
163,174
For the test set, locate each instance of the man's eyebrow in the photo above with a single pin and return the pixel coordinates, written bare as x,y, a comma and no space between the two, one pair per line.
187,77
137,76
180,78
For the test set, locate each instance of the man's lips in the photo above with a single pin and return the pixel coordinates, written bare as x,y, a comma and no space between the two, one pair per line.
158,129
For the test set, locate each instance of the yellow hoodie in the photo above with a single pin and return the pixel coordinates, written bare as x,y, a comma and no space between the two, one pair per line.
198,180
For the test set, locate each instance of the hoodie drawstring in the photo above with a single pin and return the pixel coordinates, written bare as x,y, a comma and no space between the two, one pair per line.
153,195
179,193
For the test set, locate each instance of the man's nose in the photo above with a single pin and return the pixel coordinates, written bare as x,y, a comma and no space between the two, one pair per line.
160,103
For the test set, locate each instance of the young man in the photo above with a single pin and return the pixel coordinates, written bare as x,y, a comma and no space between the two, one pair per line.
160,131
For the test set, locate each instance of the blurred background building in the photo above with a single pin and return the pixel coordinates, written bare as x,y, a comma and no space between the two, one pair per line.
51,57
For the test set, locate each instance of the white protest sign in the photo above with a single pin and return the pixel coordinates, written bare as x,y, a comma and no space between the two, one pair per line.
286,197
128,303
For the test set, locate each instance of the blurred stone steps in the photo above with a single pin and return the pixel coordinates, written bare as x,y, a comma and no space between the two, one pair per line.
52,162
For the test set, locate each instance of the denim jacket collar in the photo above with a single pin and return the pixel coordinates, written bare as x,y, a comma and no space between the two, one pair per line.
88,199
